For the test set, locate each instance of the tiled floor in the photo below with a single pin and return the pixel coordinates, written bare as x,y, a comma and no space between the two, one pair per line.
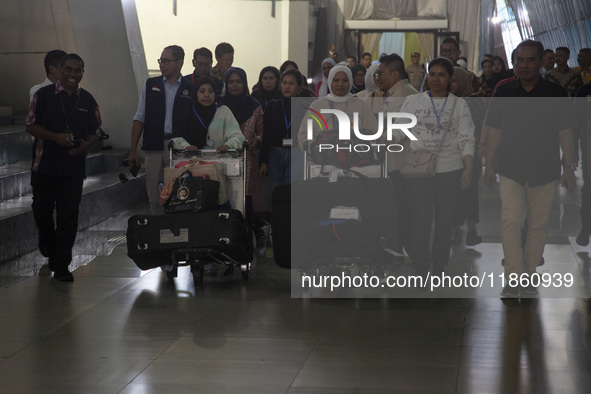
117,329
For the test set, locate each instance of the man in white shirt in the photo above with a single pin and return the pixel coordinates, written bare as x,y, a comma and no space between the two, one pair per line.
52,67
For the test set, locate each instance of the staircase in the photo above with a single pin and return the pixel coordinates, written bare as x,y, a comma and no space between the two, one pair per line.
103,197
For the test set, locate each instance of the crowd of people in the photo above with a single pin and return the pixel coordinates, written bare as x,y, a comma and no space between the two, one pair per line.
214,107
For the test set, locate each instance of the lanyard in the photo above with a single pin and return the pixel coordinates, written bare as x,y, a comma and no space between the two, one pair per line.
288,125
438,115
67,115
199,117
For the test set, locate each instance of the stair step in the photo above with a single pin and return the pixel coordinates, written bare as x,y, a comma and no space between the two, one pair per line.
103,196
15,144
15,178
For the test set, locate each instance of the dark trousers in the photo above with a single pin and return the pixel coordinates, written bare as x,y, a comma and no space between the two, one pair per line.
433,199
468,206
403,213
56,238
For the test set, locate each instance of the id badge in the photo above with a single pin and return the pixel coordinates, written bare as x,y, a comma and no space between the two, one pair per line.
209,144
286,142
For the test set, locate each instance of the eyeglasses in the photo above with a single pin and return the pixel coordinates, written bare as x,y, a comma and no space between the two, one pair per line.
166,61
450,51
199,64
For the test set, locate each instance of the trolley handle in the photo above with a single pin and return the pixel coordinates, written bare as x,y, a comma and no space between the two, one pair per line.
206,151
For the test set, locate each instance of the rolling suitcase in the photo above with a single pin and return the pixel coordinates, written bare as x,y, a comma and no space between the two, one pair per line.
358,235
194,239
281,225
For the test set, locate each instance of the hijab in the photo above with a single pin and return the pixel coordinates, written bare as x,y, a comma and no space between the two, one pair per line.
370,84
498,77
204,114
356,68
324,88
243,105
463,78
331,74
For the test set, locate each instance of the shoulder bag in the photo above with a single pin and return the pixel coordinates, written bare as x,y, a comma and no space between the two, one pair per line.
421,163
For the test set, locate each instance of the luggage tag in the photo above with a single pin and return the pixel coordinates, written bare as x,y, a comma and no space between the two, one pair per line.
287,142
209,143
334,176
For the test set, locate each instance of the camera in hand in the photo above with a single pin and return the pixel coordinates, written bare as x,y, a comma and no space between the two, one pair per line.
134,170
75,142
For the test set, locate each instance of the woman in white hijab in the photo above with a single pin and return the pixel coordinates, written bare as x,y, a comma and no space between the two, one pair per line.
322,89
339,81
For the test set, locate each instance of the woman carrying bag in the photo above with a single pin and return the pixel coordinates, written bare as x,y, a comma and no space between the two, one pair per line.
445,129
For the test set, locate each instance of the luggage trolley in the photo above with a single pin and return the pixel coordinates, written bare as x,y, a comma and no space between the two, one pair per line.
345,219
219,236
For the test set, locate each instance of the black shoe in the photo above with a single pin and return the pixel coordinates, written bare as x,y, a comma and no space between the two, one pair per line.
510,291
583,238
45,270
63,276
472,238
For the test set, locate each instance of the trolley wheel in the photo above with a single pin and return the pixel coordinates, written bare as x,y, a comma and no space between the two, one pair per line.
198,272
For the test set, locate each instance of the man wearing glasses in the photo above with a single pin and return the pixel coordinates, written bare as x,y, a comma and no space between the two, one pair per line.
450,49
65,121
162,101
202,61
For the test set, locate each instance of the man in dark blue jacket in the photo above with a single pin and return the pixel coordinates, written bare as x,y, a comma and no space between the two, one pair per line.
162,102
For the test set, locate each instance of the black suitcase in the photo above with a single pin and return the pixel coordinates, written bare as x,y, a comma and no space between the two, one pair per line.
281,225
311,204
153,241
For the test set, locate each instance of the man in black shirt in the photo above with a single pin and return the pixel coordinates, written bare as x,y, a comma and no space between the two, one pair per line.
583,112
526,133
65,121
